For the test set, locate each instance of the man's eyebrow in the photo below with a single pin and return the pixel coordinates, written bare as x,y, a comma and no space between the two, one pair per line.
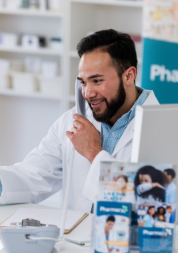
90,77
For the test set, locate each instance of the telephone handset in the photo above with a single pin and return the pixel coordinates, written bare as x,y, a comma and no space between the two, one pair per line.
79,99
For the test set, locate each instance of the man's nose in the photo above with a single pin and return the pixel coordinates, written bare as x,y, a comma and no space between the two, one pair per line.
89,91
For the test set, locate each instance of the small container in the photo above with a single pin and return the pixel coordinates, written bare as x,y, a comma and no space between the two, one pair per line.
24,82
8,39
55,5
30,41
56,44
49,69
13,4
50,86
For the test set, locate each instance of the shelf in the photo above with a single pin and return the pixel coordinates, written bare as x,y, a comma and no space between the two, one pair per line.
37,13
40,51
125,3
14,93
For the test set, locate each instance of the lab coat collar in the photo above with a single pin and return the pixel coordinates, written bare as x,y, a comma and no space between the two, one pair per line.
128,133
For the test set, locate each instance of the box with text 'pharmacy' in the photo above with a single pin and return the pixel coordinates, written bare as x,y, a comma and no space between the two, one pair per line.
112,224
150,190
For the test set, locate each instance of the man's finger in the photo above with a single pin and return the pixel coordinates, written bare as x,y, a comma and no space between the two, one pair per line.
73,130
69,134
77,124
80,118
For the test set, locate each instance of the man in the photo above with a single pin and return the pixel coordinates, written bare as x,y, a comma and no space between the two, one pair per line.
103,236
170,187
107,71
168,213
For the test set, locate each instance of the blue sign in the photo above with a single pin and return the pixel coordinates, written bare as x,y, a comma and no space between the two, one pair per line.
155,240
160,69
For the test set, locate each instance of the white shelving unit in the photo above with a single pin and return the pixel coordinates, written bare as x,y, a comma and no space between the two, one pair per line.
26,117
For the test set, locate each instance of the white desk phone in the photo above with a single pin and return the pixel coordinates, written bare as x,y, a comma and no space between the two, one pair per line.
30,235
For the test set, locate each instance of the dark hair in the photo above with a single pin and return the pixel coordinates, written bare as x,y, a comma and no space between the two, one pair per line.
161,207
111,218
150,208
170,172
118,45
169,207
124,177
157,176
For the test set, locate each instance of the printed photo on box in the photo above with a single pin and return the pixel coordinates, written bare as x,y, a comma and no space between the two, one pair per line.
114,184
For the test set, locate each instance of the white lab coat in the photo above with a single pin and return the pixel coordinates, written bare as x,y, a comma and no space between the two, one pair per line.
43,172
100,238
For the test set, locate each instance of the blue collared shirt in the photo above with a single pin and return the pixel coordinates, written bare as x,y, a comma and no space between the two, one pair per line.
171,193
111,135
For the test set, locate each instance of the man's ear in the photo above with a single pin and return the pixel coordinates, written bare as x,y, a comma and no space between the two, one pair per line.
129,75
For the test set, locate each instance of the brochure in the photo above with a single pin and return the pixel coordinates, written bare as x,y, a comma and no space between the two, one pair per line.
112,224
151,189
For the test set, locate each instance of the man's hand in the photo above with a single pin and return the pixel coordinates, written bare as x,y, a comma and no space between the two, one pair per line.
85,138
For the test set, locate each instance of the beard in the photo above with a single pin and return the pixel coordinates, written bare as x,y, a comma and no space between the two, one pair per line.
111,107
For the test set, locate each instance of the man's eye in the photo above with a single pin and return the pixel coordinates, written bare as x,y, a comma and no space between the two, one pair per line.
83,83
97,80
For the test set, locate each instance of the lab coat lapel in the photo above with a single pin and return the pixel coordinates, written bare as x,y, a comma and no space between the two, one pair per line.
125,138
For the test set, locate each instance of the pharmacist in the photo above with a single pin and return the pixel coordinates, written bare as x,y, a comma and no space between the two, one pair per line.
107,72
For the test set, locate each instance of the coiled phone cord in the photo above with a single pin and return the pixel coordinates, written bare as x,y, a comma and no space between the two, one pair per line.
65,204
67,192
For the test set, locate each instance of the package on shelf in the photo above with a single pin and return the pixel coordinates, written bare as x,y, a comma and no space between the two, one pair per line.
32,65
12,4
4,74
55,43
55,5
24,82
49,69
43,5
34,4
30,41
50,86
8,39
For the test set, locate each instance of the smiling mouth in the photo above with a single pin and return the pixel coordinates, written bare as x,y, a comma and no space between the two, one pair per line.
96,104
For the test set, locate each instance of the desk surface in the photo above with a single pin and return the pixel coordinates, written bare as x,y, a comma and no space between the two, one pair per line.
82,229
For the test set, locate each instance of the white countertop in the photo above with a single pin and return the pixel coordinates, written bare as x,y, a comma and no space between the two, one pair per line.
82,229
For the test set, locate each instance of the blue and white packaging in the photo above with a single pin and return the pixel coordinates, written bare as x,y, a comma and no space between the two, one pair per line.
112,224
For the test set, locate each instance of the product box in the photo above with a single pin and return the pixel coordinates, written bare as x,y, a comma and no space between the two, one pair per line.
150,189
112,224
